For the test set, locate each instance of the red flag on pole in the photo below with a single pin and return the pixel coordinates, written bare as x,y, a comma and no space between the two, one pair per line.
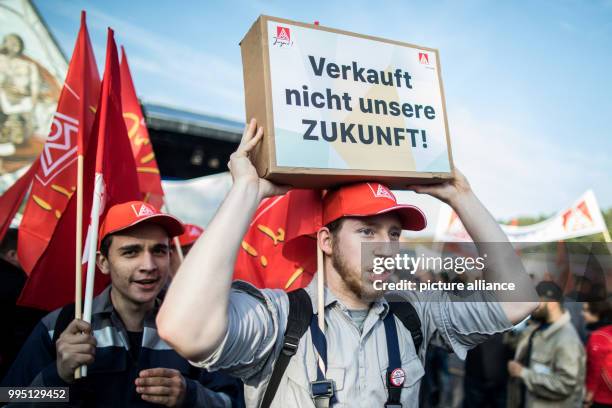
55,179
278,250
146,166
13,197
51,283
115,180
49,238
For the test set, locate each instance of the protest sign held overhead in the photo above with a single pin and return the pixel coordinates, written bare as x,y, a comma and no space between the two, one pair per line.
344,106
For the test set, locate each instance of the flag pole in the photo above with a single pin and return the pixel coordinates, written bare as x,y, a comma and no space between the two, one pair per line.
321,299
78,290
78,267
92,251
320,289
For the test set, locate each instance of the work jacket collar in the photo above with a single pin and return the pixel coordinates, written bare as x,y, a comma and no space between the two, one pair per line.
102,304
379,306
556,326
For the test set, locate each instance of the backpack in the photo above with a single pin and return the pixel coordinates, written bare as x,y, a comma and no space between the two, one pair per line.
298,321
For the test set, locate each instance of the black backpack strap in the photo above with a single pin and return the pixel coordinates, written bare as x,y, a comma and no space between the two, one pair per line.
66,315
405,311
300,314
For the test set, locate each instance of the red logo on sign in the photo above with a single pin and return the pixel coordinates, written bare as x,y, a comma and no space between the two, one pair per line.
283,33
577,218
423,58
283,36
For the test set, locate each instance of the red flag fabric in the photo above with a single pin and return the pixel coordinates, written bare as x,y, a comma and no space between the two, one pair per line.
55,179
13,197
115,179
114,159
278,250
51,283
146,166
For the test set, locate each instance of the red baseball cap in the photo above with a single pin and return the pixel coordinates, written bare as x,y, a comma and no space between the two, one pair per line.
126,215
367,199
191,234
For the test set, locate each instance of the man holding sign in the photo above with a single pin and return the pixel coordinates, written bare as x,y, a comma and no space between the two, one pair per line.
368,358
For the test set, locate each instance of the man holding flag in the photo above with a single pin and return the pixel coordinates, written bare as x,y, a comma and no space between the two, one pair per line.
368,355
129,365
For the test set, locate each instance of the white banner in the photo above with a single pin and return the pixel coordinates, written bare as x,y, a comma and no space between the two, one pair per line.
582,218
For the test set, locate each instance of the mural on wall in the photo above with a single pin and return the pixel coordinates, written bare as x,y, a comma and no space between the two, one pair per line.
32,70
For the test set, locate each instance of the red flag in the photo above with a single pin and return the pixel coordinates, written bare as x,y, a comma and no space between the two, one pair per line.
114,159
278,250
13,197
115,178
55,179
51,283
146,166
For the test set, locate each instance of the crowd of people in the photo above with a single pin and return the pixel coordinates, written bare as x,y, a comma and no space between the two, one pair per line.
183,334
542,362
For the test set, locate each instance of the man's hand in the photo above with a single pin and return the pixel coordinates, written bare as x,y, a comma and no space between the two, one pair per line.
515,368
588,399
242,169
449,191
75,347
164,386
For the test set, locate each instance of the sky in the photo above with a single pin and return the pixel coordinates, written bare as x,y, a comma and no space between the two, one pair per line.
527,83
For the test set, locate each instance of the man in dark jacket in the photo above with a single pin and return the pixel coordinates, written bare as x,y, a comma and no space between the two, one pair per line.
16,321
128,364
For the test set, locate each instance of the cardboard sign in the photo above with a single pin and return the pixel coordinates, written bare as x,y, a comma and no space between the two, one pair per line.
339,107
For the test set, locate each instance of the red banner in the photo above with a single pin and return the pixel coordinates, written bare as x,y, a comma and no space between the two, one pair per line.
13,197
279,249
55,181
51,283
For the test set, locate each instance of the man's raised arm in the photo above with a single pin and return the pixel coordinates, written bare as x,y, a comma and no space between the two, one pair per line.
503,265
193,317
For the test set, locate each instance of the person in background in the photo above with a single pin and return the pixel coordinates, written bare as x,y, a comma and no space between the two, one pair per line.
16,321
598,316
549,364
486,376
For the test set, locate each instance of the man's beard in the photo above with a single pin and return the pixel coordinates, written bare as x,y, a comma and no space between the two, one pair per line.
540,316
353,281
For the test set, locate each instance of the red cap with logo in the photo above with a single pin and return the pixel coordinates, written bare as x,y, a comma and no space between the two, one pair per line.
191,234
367,199
126,215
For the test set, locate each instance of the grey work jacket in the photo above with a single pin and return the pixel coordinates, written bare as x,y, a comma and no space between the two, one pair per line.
555,376
357,361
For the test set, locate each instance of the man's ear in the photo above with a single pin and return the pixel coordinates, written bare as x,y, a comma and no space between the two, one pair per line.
325,240
103,263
